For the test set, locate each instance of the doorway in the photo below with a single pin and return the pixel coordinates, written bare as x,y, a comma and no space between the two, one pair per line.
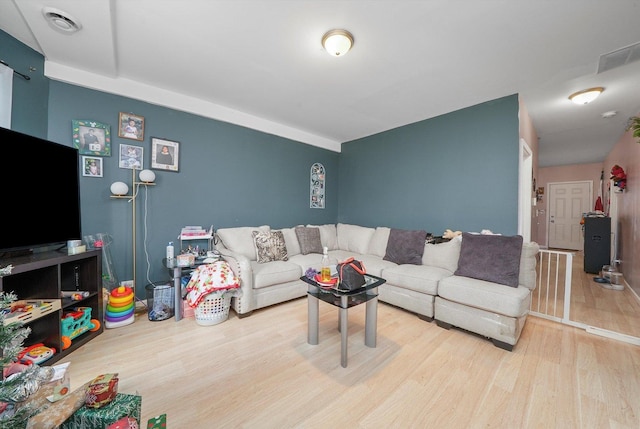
568,201
525,186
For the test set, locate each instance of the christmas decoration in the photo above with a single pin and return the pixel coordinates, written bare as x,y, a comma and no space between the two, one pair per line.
619,177
18,381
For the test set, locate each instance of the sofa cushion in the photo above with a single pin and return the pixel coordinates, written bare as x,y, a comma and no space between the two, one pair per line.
489,296
405,246
378,243
354,238
419,278
274,273
309,239
240,239
494,258
442,255
269,246
290,241
328,235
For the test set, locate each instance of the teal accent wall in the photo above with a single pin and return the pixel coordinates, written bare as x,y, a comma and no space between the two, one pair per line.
29,110
457,171
228,176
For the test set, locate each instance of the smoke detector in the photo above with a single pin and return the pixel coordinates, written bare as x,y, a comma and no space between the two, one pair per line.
61,21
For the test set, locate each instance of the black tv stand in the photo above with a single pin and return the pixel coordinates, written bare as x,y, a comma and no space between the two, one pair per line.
15,253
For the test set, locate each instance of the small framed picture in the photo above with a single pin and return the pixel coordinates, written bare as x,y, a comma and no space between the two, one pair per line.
92,166
165,154
131,126
91,137
131,157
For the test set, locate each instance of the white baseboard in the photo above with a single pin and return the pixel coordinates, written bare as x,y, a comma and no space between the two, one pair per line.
613,335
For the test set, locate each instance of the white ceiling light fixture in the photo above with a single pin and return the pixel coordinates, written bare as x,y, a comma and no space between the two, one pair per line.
337,42
61,21
586,96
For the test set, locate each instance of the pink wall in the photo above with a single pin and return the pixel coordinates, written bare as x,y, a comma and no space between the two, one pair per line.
564,173
626,153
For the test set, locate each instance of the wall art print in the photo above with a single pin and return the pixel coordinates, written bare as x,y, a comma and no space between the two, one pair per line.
131,157
91,137
317,178
131,126
165,154
92,166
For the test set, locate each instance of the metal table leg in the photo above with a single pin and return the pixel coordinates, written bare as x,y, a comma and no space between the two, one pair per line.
371,323
343,330
312,317
177,286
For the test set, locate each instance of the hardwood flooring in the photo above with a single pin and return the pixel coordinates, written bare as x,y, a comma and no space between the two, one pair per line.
259,372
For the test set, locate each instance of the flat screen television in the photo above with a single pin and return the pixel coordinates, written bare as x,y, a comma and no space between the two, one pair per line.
40,193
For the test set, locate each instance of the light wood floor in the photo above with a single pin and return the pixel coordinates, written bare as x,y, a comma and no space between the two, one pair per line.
259,372
591,303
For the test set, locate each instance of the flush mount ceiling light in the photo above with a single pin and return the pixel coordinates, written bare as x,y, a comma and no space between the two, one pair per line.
586,96
61,21
337,42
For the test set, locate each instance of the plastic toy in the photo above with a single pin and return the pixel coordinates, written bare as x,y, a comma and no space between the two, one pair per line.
120,307
36,353
76,323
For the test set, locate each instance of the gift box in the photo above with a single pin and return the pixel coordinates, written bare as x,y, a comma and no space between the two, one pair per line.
102,390
98,418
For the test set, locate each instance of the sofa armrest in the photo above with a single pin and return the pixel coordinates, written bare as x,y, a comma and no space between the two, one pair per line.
241,267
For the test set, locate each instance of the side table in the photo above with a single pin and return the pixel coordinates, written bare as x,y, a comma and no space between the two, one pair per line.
344,300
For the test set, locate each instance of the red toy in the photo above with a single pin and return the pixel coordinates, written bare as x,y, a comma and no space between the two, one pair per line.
618,176
36,353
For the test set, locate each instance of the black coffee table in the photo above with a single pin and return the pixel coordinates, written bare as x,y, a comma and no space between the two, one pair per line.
344,300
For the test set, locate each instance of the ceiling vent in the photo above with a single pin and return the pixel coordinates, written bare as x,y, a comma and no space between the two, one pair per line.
619,58
61,21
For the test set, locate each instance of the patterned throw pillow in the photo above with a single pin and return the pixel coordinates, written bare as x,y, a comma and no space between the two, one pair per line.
270,246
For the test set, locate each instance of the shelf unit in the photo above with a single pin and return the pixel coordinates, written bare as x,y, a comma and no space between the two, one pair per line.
208,238
43,277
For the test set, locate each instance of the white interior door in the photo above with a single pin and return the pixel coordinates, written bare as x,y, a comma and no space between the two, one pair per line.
568,201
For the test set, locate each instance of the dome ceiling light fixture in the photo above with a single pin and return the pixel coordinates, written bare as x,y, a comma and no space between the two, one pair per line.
337,42
61,21
586,96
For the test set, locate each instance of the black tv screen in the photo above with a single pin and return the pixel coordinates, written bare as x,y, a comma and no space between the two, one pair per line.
41,192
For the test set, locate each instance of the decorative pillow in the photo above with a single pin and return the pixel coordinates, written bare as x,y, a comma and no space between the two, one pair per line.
269,246
494,258
239,239
309,240
328,235
405,246
354,238
379,240
291,241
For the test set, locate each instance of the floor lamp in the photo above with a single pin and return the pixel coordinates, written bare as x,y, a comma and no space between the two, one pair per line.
121,190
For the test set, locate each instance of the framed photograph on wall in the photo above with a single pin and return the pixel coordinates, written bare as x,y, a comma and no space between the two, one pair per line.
165,154
92,166
91,137
131,126
131,157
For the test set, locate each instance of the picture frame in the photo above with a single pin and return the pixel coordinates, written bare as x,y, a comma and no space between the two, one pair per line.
91,137
130,126
131,157
92,166
165,154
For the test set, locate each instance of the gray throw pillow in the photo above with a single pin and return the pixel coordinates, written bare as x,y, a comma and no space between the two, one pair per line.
309,239
494,258
405,246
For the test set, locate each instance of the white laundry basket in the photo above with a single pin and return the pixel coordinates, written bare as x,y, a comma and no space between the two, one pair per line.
213,309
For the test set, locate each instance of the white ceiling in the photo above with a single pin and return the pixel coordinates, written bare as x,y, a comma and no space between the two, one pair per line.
260,63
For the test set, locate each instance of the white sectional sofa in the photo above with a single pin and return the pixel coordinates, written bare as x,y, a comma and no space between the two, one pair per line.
270,263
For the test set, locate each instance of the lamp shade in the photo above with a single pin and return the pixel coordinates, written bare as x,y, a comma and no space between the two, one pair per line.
337,42
586,96
119,188
147,176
